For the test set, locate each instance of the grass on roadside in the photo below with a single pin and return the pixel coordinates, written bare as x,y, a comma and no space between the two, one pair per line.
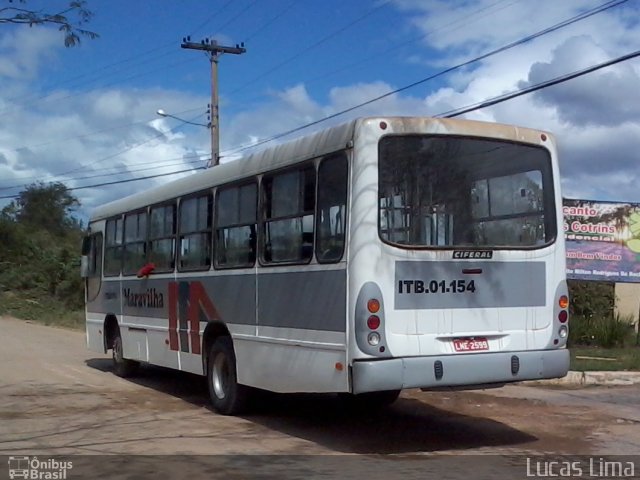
605,359
40,308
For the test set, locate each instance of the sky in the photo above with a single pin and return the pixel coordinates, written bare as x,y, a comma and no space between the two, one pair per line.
86,115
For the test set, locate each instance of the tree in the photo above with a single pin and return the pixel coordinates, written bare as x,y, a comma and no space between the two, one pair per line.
73,28
45,206
39,250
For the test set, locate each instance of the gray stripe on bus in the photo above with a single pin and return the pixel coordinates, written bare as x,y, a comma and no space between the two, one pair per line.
304,300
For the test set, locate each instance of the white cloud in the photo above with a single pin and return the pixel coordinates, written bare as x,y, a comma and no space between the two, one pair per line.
600,98
24,50
595,119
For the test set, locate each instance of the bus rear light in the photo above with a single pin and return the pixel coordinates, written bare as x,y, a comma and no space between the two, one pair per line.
373,305
563,302
563,331
369,321
563,316
373,322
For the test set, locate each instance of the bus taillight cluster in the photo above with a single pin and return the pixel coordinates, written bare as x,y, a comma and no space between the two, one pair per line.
563,316
373,322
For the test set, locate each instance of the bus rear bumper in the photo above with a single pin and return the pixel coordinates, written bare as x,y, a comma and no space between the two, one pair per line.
458,370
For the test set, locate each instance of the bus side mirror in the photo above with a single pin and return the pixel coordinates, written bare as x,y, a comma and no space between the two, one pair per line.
84,266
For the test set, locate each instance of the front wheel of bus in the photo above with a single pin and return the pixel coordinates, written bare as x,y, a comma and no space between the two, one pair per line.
227,396
121,366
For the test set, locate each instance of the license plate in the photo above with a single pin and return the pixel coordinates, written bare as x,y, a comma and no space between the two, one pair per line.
470,344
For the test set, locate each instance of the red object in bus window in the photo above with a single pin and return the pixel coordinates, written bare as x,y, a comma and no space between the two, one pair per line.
146,270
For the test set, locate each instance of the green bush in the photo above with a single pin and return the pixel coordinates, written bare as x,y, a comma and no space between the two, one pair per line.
590,299
606,332
40,256
580,331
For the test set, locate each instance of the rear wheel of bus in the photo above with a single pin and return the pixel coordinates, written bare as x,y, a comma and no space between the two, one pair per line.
227,396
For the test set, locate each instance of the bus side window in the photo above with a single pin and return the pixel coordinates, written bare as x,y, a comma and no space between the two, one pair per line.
113,247
194,232
135,242
162,241
332,205
289,209
236,216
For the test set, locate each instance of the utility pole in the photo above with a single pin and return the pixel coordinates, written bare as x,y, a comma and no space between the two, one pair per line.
214,51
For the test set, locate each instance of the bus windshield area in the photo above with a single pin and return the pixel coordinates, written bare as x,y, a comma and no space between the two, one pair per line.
452,191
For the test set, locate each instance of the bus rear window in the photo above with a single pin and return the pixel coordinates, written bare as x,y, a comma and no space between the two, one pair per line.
448,191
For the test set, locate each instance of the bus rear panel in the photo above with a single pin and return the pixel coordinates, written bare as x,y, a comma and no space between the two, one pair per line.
457,277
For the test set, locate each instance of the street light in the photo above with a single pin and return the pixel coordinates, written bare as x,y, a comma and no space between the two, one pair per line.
162,113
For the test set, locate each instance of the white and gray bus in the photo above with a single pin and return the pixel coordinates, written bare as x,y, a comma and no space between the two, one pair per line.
382,254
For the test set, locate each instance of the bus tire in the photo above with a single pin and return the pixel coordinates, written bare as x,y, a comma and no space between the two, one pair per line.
227,396
121,366
369,401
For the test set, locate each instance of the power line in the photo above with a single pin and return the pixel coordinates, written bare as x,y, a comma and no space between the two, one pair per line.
136,145
125,169
136,179
477,106
238,15
211,17
606,6
95,74
396,46
311,47
538,86
269,22
95,132
119,181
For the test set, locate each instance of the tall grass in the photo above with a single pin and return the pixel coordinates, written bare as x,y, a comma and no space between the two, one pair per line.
42,308
606,332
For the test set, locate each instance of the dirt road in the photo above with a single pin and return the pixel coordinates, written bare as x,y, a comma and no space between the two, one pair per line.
56,398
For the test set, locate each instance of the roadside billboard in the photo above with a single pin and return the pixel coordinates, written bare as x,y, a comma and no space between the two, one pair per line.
602,240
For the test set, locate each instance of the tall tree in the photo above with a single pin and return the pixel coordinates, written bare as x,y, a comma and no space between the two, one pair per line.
45,206
70,19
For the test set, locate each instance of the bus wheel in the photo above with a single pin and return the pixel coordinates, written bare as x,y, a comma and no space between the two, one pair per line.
227,396
121,366
369,401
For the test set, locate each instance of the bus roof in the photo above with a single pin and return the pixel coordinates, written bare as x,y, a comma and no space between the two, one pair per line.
320,143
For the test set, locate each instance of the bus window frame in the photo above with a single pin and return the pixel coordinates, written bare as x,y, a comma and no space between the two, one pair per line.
170,203
143,242
263,221
115,246
216,225
95,265
179,234
549,198
343,156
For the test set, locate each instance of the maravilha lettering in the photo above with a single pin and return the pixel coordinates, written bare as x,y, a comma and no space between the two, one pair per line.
149,299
